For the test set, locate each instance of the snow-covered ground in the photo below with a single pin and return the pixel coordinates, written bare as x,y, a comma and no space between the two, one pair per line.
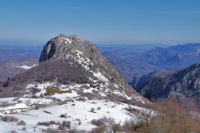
78,113
66,105
73,90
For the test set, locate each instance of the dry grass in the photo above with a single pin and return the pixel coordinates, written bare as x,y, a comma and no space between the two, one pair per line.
85,87
38,106
62,102
47,112
54,90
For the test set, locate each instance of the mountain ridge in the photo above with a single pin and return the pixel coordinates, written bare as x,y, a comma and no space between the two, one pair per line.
182,83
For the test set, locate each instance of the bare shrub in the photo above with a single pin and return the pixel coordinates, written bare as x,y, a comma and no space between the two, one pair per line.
104,125
172,118
100,129
66,124
63,115
50,130
23,123
61,126
92,110
98,123
13,131
49,123
99,108
10,119
116,128
4,104
81,99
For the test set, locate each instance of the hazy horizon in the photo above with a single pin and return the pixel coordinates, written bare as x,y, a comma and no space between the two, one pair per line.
42,43
102,22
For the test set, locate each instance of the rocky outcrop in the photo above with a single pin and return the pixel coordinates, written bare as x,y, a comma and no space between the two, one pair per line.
85,53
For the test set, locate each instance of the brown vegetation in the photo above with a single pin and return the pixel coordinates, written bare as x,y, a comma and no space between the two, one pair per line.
23,123
53,90
171,118
9,119
47,112
85,87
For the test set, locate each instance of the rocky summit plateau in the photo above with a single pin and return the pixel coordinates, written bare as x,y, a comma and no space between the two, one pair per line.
72,89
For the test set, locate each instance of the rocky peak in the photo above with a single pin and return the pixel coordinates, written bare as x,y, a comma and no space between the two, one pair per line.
69,60
85,53
63,46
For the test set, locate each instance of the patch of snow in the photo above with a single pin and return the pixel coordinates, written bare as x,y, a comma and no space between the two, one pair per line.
103,94
127,97
85,62
21,104
14,108
116,86
65,96
66,40
26,67
139,99
116,92
82,60
100,76
7,99
31,101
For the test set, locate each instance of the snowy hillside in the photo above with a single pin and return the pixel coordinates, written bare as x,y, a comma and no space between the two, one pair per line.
74,88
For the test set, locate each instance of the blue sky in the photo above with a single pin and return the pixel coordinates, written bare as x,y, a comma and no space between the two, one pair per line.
102,21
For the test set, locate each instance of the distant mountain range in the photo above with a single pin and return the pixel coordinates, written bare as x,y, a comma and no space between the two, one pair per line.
132,61
136,64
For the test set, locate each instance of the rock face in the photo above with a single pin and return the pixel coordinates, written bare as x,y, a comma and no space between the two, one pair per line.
85,53
73,84
182,83
150,85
